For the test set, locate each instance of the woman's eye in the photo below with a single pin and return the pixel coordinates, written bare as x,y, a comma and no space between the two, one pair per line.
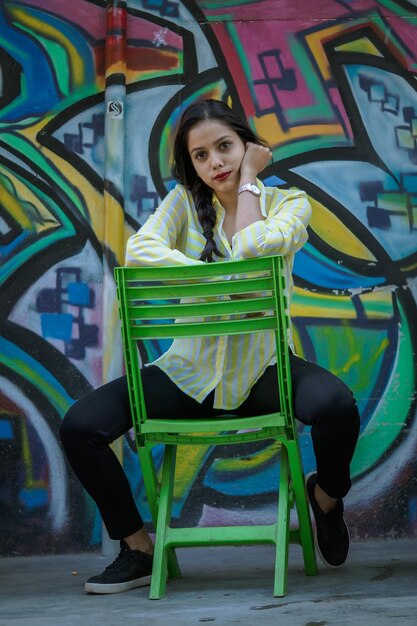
200,155
225,145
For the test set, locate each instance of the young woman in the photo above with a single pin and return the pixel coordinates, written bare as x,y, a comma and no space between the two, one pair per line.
218,211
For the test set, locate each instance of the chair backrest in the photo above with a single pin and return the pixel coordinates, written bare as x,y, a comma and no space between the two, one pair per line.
221,298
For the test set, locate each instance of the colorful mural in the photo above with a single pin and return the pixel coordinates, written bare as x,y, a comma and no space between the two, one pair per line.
90,92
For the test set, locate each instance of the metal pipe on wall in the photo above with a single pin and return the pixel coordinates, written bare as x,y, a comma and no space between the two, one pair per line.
113,235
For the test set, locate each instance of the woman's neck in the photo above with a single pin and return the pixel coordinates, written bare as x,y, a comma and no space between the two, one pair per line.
229,202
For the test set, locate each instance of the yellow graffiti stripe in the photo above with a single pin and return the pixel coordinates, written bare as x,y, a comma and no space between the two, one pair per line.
36,379
363,44
269,126
298,344
350,336
410,268
118,67
15,208
315,43
30,483
114,227
73,179
249,462
50,32
111,314
355,354
40,217
331,230
377,305
186,469
355,358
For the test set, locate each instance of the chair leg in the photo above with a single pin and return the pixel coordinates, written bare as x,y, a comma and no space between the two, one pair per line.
151,489
160,559
303,513
283,528
149,480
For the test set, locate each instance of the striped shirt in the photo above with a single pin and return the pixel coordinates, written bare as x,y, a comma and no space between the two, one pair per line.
173,236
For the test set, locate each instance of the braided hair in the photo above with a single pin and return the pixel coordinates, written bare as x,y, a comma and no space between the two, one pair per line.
183,169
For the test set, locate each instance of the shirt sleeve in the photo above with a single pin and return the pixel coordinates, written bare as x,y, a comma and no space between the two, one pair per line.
155,242
284,231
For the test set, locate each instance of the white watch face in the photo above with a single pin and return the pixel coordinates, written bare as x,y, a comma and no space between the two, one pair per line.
254,189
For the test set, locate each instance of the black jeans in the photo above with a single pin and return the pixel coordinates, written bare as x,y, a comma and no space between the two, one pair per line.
320,399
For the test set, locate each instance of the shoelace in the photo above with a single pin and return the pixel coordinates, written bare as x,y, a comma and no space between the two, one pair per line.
123,557
334,524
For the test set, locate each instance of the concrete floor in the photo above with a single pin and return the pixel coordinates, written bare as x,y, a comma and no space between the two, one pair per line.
377,587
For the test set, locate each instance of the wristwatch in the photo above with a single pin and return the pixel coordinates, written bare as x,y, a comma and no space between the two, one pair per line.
253,189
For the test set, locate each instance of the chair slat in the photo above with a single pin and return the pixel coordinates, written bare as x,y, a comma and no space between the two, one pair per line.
169,330
203,270
161,310
197,290
229,422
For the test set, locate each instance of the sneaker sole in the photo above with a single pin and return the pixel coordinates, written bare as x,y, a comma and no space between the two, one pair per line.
117,587
316,543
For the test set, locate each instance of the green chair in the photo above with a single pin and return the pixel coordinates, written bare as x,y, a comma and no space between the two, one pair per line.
150,299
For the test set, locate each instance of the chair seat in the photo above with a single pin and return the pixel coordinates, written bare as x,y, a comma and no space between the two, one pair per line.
221,430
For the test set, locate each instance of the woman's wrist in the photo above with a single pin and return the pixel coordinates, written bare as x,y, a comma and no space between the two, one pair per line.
247,176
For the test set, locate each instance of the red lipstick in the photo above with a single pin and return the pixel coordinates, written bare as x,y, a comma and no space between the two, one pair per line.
222,176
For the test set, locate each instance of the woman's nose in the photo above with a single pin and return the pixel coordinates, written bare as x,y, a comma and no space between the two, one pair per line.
216,160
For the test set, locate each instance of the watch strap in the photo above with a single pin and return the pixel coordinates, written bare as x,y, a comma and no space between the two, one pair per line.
251,187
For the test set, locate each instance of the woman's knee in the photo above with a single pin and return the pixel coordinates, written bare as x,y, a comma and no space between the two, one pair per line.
338,410
98,418
74,427
329,404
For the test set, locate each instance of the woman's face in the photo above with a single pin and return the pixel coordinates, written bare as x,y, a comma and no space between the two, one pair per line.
216,152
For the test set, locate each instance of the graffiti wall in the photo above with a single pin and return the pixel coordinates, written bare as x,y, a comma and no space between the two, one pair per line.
89,98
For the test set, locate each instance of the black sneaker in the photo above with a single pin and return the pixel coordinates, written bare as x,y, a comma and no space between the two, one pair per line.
130,569
331,535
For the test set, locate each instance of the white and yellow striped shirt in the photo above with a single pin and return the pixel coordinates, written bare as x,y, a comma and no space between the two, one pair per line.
173,236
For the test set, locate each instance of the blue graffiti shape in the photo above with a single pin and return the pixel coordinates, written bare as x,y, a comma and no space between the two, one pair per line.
146,201
165,7
31,57
378,93
89,134
407,135
378,215
62,312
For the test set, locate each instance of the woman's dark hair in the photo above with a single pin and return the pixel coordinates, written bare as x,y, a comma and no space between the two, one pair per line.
183,169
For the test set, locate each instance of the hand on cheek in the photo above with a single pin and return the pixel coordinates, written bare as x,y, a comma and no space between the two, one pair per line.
255,159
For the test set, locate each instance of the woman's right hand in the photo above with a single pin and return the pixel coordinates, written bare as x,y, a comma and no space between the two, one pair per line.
255,159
